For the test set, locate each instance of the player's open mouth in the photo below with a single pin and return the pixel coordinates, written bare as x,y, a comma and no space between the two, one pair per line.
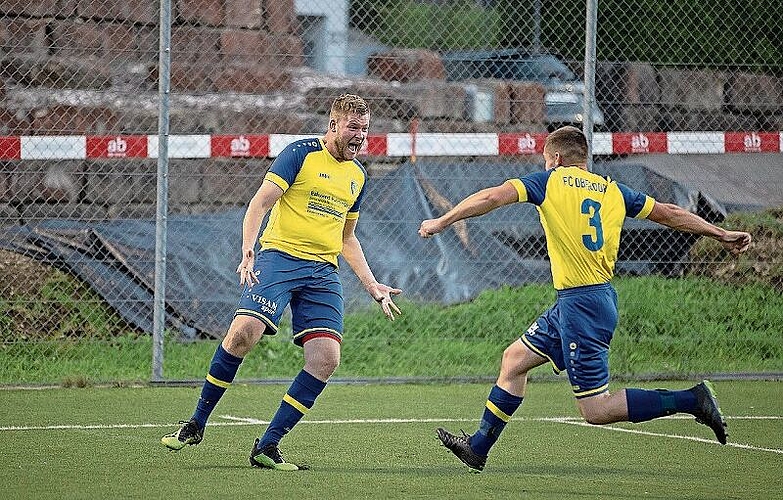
353,148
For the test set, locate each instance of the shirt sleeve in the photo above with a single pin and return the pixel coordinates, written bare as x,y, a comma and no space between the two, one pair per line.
637,205
286,166
532,187
353,212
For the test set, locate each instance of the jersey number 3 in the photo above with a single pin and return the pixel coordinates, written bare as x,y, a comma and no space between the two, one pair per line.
593,209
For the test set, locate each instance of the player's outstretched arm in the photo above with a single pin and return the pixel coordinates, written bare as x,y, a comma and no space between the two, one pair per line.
354,255
678,218
479,203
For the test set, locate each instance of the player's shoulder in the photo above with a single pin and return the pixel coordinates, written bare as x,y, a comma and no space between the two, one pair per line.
304,146
360,166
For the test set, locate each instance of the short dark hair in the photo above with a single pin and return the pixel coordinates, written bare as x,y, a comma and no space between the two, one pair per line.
570,142
349,103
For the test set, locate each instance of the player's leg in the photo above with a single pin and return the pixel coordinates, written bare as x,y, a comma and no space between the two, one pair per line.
242,335
507,393
317,320
641,405
589,319
322,356
258,313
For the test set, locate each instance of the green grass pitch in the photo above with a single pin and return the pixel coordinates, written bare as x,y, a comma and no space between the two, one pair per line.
378,441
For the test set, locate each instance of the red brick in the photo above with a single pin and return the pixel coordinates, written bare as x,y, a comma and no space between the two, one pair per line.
243,44
243,13
71,72
13,123
24,36
194,44
62,119
406,65
279,16
693,89
627,83
147,42
203,12
436,99
286,50
120,10
37,8
527,103
252,80
104,40
189,77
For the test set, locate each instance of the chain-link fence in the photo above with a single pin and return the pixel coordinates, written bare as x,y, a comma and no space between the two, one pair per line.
462,95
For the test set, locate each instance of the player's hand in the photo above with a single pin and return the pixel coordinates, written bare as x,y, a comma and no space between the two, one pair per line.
383,296
245,269
736,241
430,227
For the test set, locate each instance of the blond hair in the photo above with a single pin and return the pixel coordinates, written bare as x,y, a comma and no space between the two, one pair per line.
349,103
570,142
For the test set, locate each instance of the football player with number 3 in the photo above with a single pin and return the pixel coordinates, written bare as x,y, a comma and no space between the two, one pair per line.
582,214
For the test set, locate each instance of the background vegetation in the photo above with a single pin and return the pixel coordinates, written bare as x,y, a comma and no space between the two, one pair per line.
722,316
693,33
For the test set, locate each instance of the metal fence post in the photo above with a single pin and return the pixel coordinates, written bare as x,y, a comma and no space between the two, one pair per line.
164,81
589,96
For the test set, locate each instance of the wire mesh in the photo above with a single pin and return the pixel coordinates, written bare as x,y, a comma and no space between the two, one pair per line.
476,83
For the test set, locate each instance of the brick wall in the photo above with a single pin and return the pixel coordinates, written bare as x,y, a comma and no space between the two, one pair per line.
90,67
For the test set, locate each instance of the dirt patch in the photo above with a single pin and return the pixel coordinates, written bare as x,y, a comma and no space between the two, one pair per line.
22,276
41,302
762,263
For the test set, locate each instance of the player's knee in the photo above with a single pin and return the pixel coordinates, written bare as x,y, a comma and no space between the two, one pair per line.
593,419
241,337
323,366
512,361
594,414
331,364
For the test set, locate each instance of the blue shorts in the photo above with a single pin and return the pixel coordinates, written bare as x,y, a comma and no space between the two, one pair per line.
574,334
313,290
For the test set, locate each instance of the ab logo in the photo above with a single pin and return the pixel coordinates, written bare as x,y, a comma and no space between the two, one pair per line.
526,144
117,147
640,143
752,142
240,146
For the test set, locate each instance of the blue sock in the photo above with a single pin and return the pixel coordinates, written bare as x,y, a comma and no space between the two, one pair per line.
221,373
644,405
296,402
500,406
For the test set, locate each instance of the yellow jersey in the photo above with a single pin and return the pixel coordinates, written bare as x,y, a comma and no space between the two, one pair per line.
319,195
582,214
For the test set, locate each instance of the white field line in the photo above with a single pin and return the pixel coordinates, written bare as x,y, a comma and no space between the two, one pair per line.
241,421
673,436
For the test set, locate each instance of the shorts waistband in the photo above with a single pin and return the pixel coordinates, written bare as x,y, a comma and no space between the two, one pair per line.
582,289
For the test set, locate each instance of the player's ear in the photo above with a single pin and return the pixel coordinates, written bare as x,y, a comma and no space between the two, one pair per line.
333,125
